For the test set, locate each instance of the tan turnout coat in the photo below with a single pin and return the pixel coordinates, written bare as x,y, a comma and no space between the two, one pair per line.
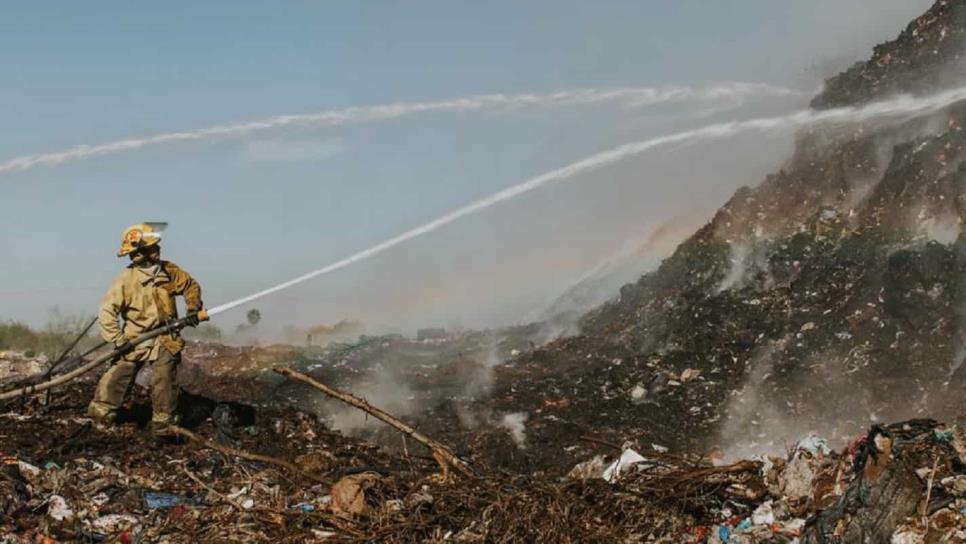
142,299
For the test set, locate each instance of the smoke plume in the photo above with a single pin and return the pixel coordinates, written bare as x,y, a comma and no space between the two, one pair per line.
515,423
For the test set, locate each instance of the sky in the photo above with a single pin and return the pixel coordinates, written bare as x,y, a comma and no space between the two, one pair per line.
252,211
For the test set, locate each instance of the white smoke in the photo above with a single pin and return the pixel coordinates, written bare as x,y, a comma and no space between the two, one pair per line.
944,229
902,107
385,389
732,93
748,261
740,253
515,423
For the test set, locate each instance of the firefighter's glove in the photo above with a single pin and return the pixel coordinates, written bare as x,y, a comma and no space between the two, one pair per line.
192,319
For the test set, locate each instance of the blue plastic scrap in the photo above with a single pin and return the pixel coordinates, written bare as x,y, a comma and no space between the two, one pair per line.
944,436
157,499
724,533
744,525
91,536
303,506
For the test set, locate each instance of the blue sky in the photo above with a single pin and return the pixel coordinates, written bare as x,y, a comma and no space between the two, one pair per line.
249,212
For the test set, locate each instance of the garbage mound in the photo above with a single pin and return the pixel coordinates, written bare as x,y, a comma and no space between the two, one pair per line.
825,299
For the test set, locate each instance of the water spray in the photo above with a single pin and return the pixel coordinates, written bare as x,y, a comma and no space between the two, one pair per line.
630,96
902,106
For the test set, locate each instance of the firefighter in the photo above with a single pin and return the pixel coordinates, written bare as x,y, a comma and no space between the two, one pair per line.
142,298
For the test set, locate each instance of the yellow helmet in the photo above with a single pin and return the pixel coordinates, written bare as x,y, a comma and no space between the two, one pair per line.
141,235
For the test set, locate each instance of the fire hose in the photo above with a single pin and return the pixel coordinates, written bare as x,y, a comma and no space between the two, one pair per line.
110,356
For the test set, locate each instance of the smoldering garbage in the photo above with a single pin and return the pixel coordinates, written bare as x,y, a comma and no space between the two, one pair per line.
121,483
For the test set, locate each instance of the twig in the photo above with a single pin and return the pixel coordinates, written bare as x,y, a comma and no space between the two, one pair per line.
925,504
225,498
68,349
412,467
443,455
243,454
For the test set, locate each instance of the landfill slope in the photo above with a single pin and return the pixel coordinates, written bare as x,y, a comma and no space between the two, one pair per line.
827,298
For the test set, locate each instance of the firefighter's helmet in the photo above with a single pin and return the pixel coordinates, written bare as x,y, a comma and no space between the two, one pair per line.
140,236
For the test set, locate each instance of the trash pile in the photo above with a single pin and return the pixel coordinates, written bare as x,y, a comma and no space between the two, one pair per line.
282,476
826,299
65,478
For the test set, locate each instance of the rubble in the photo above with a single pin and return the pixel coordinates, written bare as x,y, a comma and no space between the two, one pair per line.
105,482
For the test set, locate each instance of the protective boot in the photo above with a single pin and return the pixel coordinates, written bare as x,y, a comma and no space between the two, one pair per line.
160,429
102,413
111,390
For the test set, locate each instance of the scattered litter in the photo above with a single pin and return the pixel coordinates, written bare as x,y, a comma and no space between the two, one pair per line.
592,468
627,459
349,493
156,499
638,392
690,374
763,515
944,435
28,471
115,523
814,444
57,508
303,507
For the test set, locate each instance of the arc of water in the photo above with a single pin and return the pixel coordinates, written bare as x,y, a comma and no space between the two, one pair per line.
897,107
729,92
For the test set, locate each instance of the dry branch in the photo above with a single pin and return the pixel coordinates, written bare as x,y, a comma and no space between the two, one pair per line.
443,455
181,431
